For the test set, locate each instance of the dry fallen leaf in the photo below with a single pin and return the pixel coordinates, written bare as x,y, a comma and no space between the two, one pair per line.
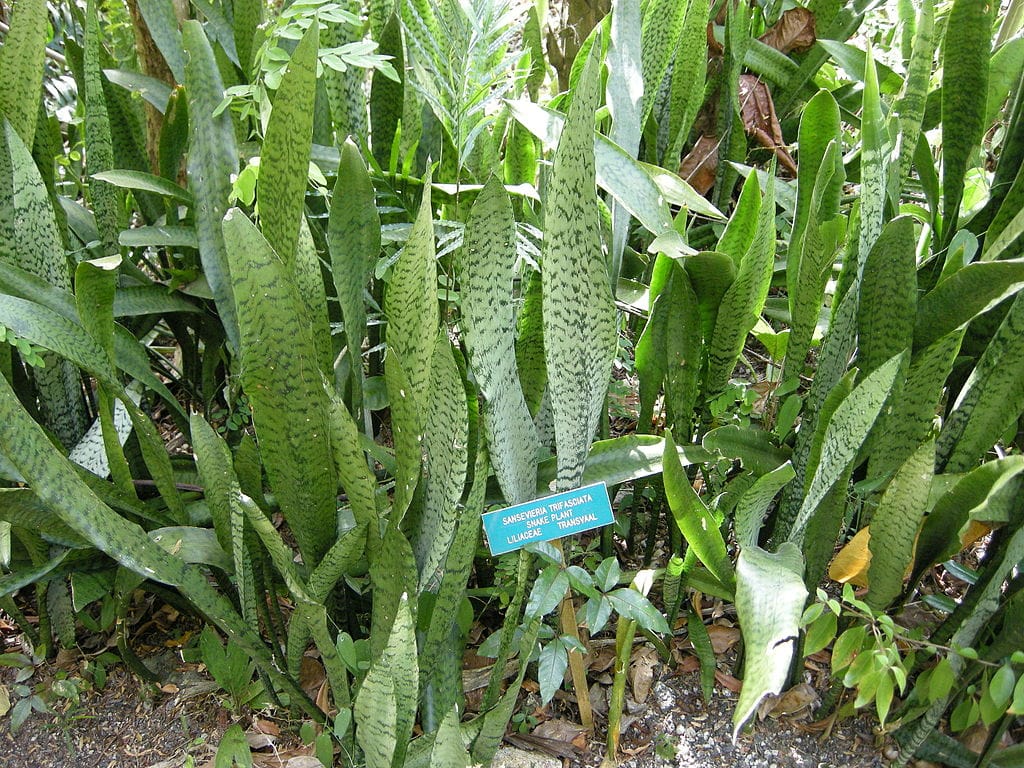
559,729
722,638
5,700
798,701
794,31
851,564
641,673
311,676
759,119
728,681
700,165
688,664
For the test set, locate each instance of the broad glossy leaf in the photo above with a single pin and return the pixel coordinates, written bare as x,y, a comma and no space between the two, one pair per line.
755,448
770,598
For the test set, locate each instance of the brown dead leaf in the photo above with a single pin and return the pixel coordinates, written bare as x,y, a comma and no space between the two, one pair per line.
688,665
728,681
169,688
559,729
311,676
322,699
722,638
794,31
700,165
269,727
851,564
798,701
258,741
602,660
759,119
641,673
715,48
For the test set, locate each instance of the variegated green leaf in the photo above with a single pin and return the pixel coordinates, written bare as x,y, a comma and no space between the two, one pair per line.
990,400
283,381
162,23
21,66
662,25
486,277
29,241
770,597
966,52
353,471
310,283
888,295
99,148
753,504
874,165
688,75
449,750
212,159
911,105
353,239
384,728
533,375
895,523
445,444
284,162
387,98
843,437
743,301
411,303
579,313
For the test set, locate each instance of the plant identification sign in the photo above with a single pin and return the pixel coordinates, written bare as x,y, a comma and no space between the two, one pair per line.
548,518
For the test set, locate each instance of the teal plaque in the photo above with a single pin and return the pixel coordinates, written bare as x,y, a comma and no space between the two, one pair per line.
548,518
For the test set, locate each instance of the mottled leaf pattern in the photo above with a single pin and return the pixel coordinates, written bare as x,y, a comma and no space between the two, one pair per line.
284,164
99,148
888,295
894,525
579,313
487,275
21,66
281,377
212,159
445,443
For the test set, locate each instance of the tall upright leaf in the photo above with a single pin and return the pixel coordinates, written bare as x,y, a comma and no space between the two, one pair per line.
29,240
744,300
688,75
662,24
353,239
487,276
284,163
212,159
911,106
387,98
965,64
283,381
888,295
99,148
21,67
874,166
579,313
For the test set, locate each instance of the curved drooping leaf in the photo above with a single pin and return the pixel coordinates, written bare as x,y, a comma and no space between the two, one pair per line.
755,448
843,436
21,66
770,598
579,311
966,54
895,523
486,279
753,504
146,182
56,483
964,295
284,161
283,381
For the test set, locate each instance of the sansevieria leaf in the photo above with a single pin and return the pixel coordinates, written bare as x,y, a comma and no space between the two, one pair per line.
212,159
283,381
579,312
487,276
284,164
770,597
895,523
21,66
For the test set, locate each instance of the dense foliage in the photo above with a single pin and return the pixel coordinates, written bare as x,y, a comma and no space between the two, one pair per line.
290,296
